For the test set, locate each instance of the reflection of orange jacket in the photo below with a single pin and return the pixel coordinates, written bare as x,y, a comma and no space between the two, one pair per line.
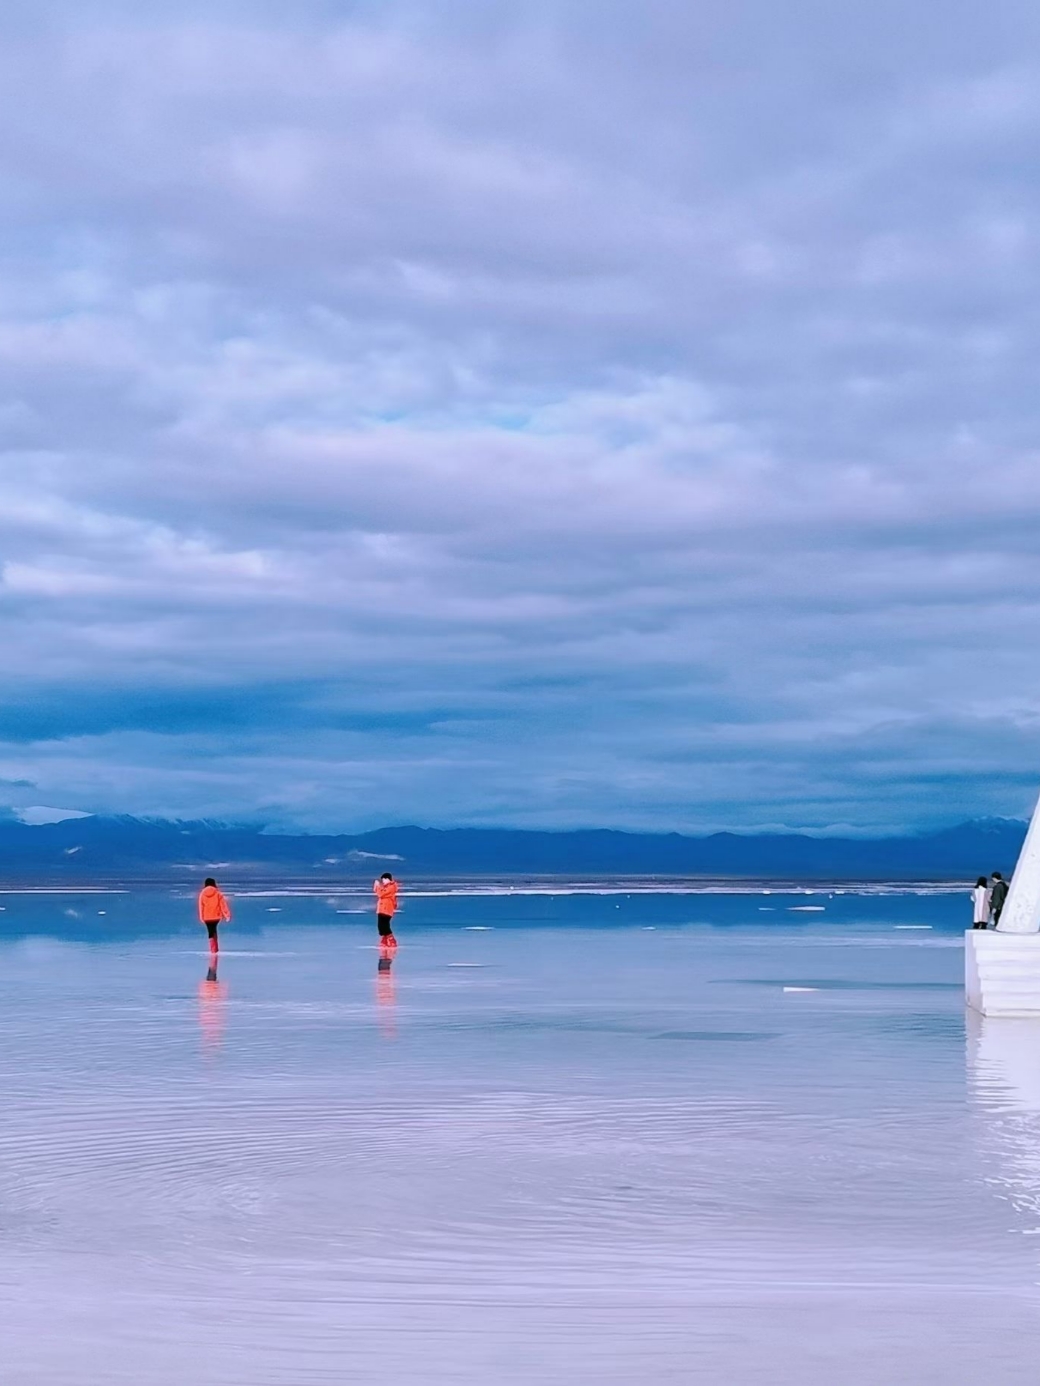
213,907
386,897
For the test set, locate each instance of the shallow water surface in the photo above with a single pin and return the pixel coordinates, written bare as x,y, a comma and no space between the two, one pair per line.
560,1138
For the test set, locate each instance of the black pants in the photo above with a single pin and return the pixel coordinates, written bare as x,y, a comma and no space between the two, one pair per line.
385,925
211,927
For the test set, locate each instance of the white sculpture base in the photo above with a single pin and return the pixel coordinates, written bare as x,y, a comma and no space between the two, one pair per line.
1002,972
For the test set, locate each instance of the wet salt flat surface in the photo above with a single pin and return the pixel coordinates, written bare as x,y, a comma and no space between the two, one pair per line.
565,1139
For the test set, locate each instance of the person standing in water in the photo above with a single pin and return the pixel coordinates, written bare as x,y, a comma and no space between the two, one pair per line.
214,910
998,892
980,902
385,890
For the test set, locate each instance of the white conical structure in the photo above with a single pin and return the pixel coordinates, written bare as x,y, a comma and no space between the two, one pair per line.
1021,912
1002,965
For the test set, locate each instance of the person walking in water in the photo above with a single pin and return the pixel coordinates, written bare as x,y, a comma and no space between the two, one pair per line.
980,901
998,892
385,890
214,910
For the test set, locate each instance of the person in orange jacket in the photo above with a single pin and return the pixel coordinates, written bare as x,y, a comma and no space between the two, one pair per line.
385,890
213,911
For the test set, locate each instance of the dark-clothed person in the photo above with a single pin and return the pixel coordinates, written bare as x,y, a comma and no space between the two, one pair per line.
998,891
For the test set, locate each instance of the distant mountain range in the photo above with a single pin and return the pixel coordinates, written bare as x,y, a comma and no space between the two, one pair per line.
107,849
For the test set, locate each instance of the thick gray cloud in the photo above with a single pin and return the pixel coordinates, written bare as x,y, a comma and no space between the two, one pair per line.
560,415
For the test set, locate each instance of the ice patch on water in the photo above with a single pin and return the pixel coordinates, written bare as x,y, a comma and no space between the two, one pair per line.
562,890
235,953
316,892
62,890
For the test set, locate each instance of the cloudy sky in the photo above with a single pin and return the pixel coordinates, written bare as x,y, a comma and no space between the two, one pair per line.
550,414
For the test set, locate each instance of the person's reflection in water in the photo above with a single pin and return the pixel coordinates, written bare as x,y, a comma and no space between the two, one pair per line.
212,994
385,997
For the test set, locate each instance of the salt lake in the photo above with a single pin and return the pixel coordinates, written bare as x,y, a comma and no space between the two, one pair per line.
733,1137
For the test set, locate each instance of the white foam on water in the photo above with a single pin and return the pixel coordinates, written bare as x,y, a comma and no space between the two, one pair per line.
806,909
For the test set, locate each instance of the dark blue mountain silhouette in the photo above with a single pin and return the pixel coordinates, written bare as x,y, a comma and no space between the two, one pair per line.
130,848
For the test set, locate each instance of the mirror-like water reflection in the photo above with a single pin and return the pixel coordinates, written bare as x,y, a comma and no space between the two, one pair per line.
550,1148
1004,1070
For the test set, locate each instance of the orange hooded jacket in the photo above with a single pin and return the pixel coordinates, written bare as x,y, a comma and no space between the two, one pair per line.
386,897
213,907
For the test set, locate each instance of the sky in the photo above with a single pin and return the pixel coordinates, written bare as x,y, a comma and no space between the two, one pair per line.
548,415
